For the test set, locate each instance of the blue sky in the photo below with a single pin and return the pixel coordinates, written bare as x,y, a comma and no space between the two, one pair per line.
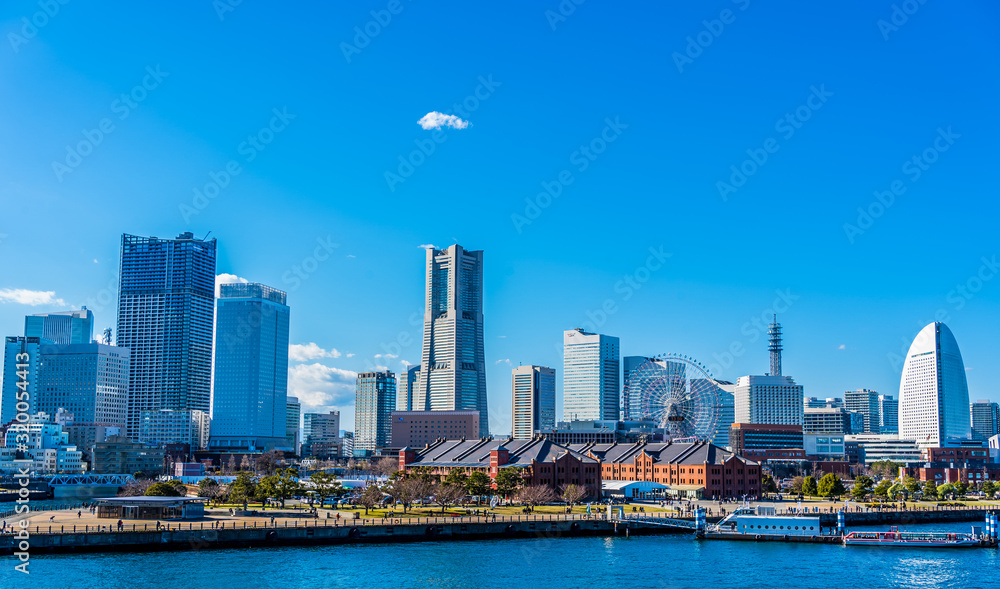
736,140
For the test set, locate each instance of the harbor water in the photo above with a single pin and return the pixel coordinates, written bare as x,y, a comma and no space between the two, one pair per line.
669,561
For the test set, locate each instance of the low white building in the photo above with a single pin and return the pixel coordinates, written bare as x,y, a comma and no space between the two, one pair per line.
45,444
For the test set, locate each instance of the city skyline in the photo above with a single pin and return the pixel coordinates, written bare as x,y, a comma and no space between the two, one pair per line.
799,169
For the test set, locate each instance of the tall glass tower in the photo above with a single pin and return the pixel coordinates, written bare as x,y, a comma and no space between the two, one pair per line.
166,305
375,400
251,369
69,327
533,400
591,376
453,365
933,392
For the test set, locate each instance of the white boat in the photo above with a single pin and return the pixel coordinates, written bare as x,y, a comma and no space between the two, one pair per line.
913,539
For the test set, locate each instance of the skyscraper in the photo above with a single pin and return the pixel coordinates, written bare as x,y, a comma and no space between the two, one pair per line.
165,309
629,365
768,400
375,400
933,392
725,410
888,415
533,400
88,380
251,369
865,402
21,357
322,435
591,376
407,387
453,364
293,416
69,327
771,399
985,419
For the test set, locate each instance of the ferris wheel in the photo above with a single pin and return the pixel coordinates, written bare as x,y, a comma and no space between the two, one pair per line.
678,394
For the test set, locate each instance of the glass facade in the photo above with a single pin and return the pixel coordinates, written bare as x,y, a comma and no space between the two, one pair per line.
933,392
591,376
533,399
251,368
71,327
88,380
166,307
374,402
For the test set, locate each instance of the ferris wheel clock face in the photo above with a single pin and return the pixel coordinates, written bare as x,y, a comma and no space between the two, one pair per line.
678,394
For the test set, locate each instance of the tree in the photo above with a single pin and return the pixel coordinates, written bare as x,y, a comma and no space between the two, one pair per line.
862,487
325,485
162,490
895,491
245,463
407,490
209,488
768,485
911,484
573,493
181,487
457,478
797,483
478,484
136,488
989,488
536,495
268,461
946,490
385,467
243,489
882,489
809,486
961,488
884,468
231,465
930,490
282,485
830,486
370,497
508,481
445,494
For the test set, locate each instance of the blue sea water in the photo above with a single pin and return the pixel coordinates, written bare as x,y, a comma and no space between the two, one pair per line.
674,562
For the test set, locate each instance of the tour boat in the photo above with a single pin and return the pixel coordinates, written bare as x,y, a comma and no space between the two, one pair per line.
896,538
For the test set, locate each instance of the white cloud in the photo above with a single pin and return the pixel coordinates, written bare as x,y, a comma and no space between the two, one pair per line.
505,361
389,356
310,351
23,296
842,347
221,279
436,120
317,385
351,256
407,363
502,336
95,261
350,354
427,246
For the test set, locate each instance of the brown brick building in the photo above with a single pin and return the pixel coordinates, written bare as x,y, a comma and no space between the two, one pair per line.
700,468
542,462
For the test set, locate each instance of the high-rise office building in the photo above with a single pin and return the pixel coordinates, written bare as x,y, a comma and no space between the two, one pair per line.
888,414
829,402
865,402
407,387
771,399
374,402
768,400
322,435
21,358
88,380
985,417
68,327
293,416
629,366
533,400
933,392
725,410
591,376
165,310
453,364
831,420
251,369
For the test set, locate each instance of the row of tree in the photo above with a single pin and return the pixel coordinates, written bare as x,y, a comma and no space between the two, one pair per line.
828,486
